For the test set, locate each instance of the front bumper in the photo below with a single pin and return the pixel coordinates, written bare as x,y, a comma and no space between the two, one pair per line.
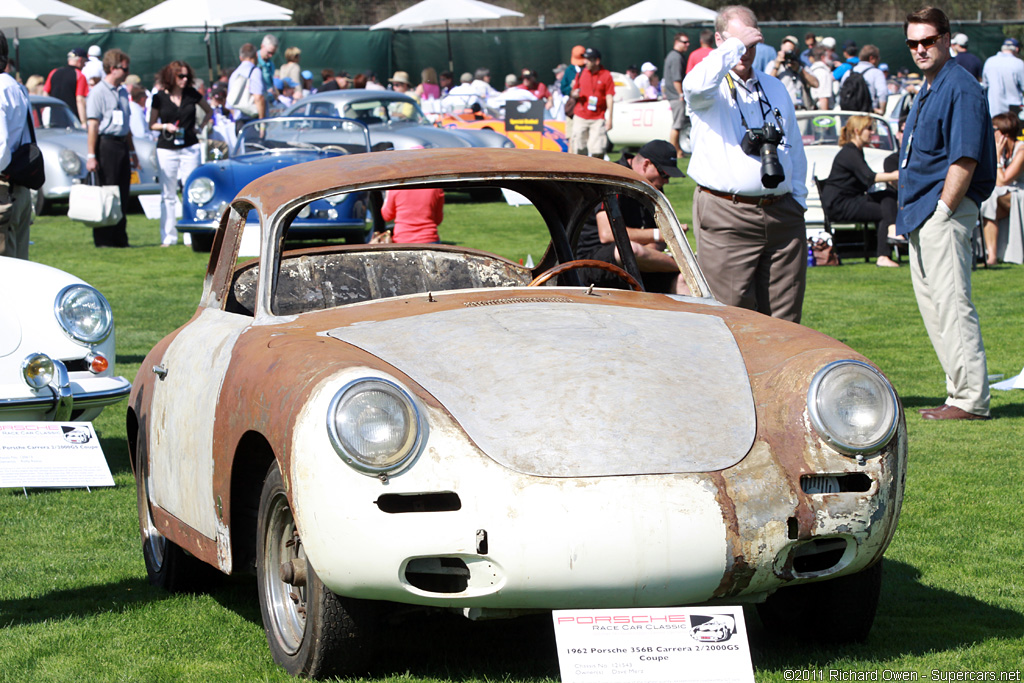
66,399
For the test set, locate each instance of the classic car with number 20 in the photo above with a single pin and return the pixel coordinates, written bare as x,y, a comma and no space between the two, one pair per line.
442,427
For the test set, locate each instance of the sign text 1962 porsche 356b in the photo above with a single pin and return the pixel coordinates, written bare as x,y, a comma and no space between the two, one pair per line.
438,426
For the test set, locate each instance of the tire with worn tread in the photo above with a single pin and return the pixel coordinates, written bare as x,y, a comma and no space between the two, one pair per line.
310,630
168,566
842,610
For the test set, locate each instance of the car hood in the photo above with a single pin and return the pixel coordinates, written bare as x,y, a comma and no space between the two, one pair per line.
579,390
244,169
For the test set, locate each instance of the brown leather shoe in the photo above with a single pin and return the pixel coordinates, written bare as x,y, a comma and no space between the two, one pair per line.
951,412
928,410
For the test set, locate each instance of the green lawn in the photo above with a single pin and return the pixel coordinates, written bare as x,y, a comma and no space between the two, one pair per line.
75,604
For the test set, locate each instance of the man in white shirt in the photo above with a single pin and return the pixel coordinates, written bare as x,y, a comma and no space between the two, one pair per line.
822,94
15,200
748,215
462,97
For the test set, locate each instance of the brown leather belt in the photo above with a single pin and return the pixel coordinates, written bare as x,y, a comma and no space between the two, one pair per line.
764,200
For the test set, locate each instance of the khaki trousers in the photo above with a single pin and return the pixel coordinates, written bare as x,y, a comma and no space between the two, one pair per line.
752,256
589,136
940,269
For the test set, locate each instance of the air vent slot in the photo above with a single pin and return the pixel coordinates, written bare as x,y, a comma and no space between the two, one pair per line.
438,574
396,503
843,482
818,555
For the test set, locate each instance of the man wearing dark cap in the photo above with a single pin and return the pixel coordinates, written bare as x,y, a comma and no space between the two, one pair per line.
656,162
68,84
594,90
850,51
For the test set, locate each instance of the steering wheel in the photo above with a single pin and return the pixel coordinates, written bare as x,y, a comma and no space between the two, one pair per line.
334,148
587,263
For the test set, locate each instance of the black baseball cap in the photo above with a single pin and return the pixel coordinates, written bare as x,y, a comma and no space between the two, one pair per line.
663,155
591,53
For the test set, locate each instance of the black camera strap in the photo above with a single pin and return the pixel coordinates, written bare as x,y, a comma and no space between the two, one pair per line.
762,102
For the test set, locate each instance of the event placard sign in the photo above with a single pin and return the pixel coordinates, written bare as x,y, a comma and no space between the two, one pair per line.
657,645
51,454
524,116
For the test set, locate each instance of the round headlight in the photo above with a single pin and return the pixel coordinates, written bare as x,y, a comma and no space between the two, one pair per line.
508,144
70,162
84,314
304,212
37,370
200,190
853,407
336,199
374,425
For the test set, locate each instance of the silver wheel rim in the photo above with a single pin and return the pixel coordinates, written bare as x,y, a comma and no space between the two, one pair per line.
285,603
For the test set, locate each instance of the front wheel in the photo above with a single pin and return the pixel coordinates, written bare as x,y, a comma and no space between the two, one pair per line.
842,610
311,631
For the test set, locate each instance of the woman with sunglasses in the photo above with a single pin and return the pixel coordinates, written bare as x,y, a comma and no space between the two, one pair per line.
173,115
845,194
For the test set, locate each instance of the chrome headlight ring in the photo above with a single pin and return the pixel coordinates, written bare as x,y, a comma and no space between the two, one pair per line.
375,425
201,190
84,314
853,407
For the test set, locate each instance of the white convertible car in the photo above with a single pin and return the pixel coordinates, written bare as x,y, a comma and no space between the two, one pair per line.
56,346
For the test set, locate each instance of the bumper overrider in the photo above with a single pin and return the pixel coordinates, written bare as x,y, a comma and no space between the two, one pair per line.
63,398
454,528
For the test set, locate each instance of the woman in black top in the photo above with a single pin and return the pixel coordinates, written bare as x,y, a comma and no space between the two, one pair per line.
173,114
845,196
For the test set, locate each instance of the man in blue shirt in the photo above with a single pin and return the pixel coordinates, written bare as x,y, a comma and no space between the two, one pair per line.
947,167
265,62
1003,79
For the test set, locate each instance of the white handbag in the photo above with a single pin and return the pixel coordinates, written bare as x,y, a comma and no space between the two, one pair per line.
98,206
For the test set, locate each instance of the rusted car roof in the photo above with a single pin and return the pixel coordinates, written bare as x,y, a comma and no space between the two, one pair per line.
388,167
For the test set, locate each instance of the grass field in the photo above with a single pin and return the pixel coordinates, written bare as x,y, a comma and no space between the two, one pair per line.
75,604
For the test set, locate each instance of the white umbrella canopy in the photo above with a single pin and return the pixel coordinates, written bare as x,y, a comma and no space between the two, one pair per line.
666,12
437,12
206,14
79,23
43,14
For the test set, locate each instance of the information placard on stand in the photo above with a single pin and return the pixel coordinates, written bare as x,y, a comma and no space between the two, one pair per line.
656,645
51,455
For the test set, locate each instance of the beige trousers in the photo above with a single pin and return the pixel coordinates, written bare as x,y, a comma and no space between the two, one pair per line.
940,268
589,136
753,257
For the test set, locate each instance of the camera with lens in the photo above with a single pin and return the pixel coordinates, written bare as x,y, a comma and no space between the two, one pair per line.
764,142
792,60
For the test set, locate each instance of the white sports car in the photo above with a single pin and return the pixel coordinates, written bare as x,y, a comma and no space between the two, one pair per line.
56,346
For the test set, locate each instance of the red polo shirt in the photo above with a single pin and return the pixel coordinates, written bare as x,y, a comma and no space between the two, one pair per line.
599,86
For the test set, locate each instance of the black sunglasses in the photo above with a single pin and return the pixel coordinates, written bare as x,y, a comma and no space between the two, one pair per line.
924,42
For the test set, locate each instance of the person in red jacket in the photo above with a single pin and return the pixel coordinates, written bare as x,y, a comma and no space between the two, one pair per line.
594,90
416,213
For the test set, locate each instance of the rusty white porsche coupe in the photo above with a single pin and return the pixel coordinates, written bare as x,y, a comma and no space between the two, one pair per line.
432,425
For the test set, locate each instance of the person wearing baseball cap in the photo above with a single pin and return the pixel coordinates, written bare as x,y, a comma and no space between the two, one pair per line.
67,83
1002,76
971,62
565,85
656,162
594,90
647,72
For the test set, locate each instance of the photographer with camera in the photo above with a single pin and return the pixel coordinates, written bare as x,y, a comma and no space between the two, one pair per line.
749,165
793,74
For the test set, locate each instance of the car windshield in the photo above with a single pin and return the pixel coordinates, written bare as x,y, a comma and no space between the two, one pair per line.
48,115
384,111
822,128
323,134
